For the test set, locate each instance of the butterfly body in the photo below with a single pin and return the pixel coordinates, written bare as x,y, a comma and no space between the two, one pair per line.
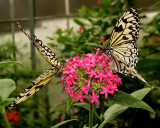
122,44
108,50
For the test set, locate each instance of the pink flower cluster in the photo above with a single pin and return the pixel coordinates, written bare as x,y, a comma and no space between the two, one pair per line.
89,76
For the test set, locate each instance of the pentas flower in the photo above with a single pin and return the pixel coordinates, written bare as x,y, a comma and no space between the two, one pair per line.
62,100
102,38
98,2
89,76
13,116
59,119
81,29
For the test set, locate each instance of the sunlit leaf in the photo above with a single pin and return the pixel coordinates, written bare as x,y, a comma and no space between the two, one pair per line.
106,3
78,22
130,101
59,31
115,110
69,102
7,86
6,63
63,122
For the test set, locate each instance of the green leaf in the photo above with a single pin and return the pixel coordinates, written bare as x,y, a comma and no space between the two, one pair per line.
6,63
157,4
99,22
78,22
61,123
50,38
63,39
92,44
140,94
83,105
106,3
59,31
83,10
7,86
69,102
130,101
95,126
115,110
8,101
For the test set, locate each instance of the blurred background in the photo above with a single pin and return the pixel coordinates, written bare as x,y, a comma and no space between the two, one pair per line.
69,27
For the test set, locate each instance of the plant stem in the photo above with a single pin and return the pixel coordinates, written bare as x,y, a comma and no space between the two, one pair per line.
101,107
90,115
3,112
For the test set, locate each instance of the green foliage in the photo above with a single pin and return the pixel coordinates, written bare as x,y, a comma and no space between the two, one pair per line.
115,110
6,63
93,23
69,102
63,122
7,86
98,22
149,58
7,49
125,99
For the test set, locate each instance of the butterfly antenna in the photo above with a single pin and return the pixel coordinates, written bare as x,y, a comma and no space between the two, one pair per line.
149,85
21,28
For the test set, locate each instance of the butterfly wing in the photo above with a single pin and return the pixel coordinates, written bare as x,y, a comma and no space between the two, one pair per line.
123,44
124,36
128,52
36,85
46,76
46,52
122,67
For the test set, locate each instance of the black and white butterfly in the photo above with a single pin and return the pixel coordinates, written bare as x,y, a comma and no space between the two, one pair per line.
45,77
122,44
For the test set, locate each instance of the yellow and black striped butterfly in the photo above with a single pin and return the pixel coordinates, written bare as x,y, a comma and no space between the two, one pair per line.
122,44
46,76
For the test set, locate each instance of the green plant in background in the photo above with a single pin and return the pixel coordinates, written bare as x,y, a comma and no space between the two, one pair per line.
7,49
91,76
7,86
95,23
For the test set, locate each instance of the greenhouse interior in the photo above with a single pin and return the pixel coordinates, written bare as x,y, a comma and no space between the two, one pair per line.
80,64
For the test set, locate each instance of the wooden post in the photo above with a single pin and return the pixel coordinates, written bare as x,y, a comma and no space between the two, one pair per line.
11,3
31,27
67,11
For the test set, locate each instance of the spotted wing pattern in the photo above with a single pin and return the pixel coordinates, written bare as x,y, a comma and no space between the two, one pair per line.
122,67
44,50
45,77
124,36
123,44
36,85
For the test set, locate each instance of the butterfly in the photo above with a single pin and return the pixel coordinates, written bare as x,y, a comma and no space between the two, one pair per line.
122,44
46,76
